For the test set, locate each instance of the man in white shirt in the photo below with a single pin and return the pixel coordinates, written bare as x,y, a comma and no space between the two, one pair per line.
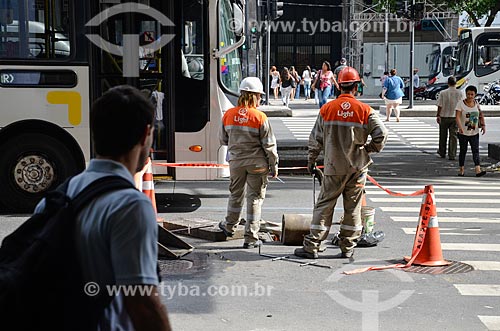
445,117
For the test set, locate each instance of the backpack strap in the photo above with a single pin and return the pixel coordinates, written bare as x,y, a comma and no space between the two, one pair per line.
99,187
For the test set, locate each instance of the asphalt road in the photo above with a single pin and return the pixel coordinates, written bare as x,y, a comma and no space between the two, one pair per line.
220,286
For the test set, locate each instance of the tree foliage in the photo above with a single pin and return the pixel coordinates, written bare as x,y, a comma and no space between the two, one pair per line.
476,9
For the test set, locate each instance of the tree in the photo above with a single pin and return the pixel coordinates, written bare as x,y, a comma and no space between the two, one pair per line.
476,9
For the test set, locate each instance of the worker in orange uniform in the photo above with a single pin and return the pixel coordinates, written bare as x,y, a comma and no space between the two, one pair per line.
341,132
252,155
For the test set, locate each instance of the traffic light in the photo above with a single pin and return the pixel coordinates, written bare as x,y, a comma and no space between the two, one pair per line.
401,8
253,34
418,11
276,9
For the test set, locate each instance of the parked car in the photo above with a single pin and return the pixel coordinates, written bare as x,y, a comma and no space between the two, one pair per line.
432,91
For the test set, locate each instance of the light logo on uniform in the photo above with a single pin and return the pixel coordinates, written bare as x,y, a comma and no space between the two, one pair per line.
243,116
345,113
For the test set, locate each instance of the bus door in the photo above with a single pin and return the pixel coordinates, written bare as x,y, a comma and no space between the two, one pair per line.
173,76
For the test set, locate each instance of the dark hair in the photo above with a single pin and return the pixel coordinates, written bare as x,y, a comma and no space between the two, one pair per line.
471,88
119,119
393,72
452,81
327,65
386,72
348,87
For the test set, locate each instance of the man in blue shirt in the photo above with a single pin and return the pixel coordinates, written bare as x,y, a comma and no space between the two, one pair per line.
116,234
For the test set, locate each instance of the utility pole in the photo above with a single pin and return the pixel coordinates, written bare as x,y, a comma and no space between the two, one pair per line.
386,36
412,53
268,49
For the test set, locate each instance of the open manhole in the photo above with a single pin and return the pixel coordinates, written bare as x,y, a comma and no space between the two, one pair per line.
193,263
454,268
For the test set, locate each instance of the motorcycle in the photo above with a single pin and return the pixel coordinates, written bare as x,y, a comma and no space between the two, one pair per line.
491,95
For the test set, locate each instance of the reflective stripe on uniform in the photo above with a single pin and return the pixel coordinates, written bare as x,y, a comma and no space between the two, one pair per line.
320,227
347,124
351,228
241,128
234,210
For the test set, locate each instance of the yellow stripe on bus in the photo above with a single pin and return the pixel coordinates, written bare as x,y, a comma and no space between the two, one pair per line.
70,98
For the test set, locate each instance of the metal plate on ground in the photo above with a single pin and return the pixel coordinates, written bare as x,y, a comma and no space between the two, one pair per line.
454,268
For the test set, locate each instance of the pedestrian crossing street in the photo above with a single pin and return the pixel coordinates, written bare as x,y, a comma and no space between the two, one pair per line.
469,227
410,135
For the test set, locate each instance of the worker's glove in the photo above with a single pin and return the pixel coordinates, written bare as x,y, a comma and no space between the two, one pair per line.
318,174
311,165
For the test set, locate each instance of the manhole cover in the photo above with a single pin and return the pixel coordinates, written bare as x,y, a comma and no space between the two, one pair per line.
454,268
172,267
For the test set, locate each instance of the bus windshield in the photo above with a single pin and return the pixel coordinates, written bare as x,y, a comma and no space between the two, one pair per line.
230,64
464,65
433,60
488,53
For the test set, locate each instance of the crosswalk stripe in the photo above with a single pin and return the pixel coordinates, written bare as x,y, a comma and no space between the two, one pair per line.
450,220
444,232
484,265
470,188
441,210
441,193
438,200
491,290
491,322
470,247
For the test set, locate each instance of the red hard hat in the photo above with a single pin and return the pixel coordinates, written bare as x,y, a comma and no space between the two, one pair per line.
348,75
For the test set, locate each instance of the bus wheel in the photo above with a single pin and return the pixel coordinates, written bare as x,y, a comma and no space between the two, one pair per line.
31,164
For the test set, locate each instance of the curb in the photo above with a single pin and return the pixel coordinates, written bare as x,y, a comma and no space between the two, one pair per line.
426,111
494,151
276,111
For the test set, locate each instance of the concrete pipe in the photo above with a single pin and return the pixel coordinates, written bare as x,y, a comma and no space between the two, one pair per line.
294,228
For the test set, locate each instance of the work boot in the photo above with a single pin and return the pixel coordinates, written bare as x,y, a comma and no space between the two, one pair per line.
336,239
252,245
371,239
223,229
347,254
301,252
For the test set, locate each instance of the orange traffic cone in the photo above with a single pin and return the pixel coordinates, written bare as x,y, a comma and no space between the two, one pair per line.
428,252
144,183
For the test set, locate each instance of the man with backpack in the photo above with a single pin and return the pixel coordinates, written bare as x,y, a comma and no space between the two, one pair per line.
114,235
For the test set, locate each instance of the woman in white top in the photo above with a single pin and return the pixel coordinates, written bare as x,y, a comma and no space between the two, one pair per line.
275,81
470,121
307,78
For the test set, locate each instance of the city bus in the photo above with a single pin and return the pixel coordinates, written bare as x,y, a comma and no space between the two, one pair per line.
57,57
441,62
478,57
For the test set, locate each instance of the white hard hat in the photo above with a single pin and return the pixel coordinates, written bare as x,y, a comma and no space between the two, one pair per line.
252,84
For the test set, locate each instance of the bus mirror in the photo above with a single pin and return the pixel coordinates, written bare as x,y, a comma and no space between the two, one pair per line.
238,20
427,58
6,16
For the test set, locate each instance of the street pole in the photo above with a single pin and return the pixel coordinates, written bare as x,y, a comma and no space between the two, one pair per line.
386,36
268,49
412,58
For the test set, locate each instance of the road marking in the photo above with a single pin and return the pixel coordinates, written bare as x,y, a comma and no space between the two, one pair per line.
443,232
449,219
491,322
470,247
441,210
489,290
438,200
441,193
484,265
